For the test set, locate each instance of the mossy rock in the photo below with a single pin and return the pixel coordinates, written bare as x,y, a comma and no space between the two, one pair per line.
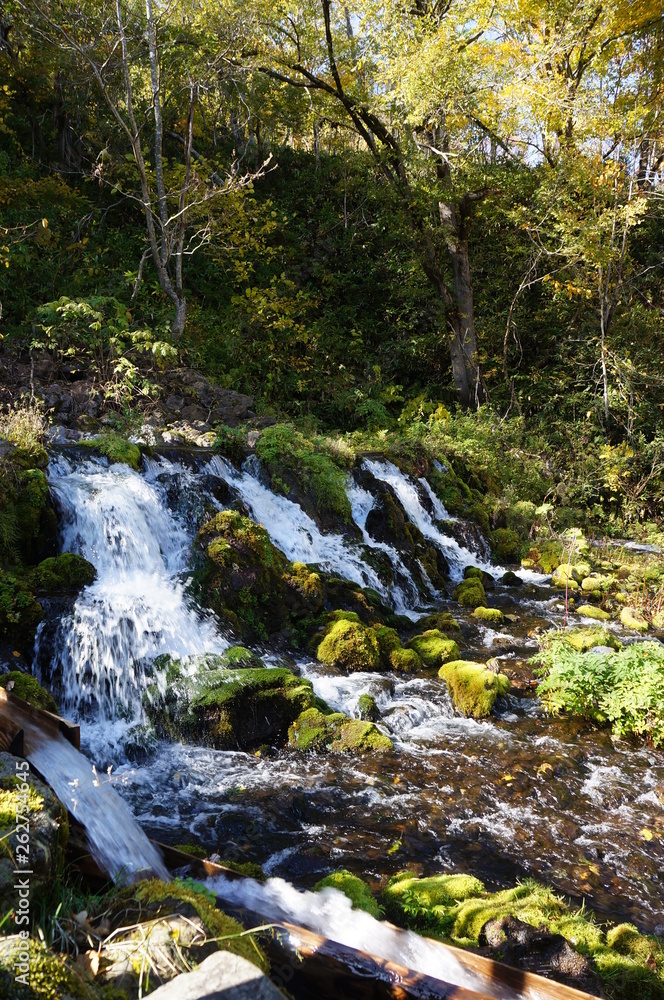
443,620
367,708
354,888
405,661
492,615
434,648
226,708
28,525
20,613
591,611
473,573
510,579
597,582
350,646
583,639
406,890
563,577
64,574
472,687
240,656
50,976
470,593
28,688
507,546
315,730
633,619
658,620
115,448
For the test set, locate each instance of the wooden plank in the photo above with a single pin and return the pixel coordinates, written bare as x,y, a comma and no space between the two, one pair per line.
15,709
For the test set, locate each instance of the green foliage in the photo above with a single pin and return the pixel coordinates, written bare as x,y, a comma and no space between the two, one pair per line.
357,891
28,688
20,613
115,448
624,688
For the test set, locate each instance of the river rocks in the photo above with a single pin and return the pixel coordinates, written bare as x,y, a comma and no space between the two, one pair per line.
434,648
442,620
64,574
563,576
367,708
492,616
510,579
583,639
472,687
221,976
24,795
591,611
393,655
115,448
316,730
597,582
227,708
350,646
470,593
633,619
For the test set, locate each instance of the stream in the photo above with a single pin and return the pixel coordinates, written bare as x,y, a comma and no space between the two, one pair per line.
517,795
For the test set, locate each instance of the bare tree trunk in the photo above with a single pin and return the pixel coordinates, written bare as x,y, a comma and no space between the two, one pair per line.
463,348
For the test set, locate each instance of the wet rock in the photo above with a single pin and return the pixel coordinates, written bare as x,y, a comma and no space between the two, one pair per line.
470,593
367,708
472,687
537,950
317,730
434,648
59,434
220,977
493,616
23,794
510,579
350,646
633,619
591,611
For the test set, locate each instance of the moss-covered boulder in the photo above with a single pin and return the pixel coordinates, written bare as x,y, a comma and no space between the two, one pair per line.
582,639
317,730
405,661
470,593
434,648
28,688
493,616
443,620
162,929
563,576
64,574
23,794
592,611
633,619
393,655
354,888
115,448
207,702
350,646
597,582
367,708
472,687
50,976
20,614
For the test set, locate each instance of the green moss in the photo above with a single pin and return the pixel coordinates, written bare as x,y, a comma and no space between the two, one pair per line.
315,730
240,656
633,619
629,964
473,573
388,641
583,639
354,888
442,620
470,593
116,449
223,928
350,646
367,707
590,611
12,804
405,661
625,688
51,977
20,613
289,455
28,688
597,582
472,687
434,648
66,573
493,615
507,546
563,576
307,581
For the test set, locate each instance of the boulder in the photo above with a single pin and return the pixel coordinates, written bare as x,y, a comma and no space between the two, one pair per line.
350,646
434,648
472,687
470,593
493,616
592,611
221,976
633,619
317,730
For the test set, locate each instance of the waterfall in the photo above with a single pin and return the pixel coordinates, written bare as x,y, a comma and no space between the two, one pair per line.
137,608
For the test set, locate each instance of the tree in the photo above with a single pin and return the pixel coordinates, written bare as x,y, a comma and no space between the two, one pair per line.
154,69
316,48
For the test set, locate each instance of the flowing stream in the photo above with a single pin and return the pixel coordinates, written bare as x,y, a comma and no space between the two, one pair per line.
517,795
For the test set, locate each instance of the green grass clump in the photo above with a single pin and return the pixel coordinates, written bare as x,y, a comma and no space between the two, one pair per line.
350,646
115,448
354,888
28,688
472,687
434,648
284,450
624,688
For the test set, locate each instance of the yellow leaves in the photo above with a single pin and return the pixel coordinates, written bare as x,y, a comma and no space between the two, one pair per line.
545,768
646,834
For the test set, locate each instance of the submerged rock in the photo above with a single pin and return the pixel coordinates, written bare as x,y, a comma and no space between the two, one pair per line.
472,687
367,707
316,730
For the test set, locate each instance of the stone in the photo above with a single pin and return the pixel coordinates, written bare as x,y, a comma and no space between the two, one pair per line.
633,619
510,579
591,611
470,593
350,646
434,648
174,403
222,976
563,577
492,615
472,687
194,413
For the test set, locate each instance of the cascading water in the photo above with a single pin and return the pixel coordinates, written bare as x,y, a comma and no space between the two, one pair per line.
137,608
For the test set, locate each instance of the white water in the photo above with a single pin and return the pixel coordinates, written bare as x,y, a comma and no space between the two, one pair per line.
137,608
329,913
116,841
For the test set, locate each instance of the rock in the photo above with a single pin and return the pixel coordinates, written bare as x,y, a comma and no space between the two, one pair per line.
28,688
472,687
442,620
597,582
58,401
658,620
584,639
590,611
354,888
472,573
316,730
633,619
434,648
470,593
114,447
393,655
194,413
50,975
64,574
492,615
221,976
59,434
350,646
563,577
223,707
601,650
21,793
174,403
367,708
510,579
230,408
